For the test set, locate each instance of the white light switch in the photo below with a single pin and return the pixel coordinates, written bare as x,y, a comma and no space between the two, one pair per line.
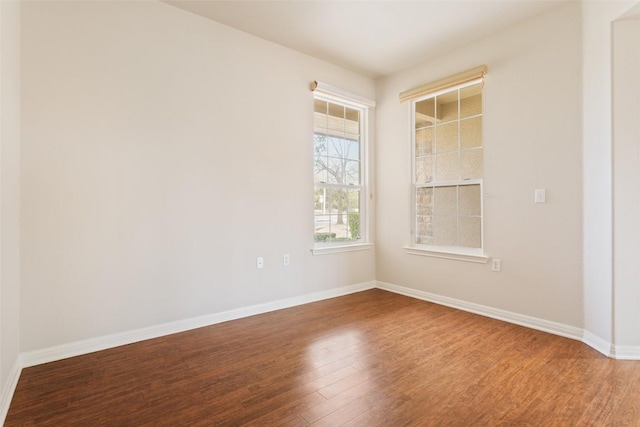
540,195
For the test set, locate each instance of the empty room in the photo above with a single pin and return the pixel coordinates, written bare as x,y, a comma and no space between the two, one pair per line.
319,213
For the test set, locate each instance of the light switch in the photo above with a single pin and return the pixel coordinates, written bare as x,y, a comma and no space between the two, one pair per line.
540,195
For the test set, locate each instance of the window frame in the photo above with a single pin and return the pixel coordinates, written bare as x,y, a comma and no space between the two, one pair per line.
461,253
363,242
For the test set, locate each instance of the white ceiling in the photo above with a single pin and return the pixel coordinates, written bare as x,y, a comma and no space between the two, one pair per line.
375,38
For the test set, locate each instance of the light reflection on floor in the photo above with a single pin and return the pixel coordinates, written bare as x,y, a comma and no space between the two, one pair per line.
340,364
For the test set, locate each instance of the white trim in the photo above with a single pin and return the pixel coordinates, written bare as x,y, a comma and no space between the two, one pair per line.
625,352
9,389
479,258
337,249
334,92
597,343
495,313
77,348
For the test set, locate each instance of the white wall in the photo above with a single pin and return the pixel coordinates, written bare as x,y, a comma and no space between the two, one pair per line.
9,197
626,180
597,18
161,153
597,172
532,139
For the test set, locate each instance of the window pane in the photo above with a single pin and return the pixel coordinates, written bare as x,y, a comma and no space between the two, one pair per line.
471,164
445,232
319,144
337,215
351,129
353,214
424,169
470,232
338,204
447,106
469,200
335,125
471,101
352,115
322,226
424,141
336,171
352,172
446,201
320,169
471,133
336,110
342,148
424,201
447,166
447,137
425,113
320,123
320,106
352,149
424,230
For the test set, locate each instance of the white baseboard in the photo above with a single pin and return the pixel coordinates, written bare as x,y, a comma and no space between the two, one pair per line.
495,313
603,346
78,348
598,343
626,352
9,389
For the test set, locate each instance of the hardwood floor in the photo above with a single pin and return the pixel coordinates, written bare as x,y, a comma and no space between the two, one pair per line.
368,359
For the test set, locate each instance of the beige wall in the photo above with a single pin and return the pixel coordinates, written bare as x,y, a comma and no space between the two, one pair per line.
155,168
9,195
532,139
626,180
161,154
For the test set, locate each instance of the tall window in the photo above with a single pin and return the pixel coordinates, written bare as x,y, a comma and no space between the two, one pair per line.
448,168
339,142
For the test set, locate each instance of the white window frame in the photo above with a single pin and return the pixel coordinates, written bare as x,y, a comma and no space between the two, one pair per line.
461,253
350,101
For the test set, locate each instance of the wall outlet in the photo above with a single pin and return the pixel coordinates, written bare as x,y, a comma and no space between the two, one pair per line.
285,259
260,262
495,265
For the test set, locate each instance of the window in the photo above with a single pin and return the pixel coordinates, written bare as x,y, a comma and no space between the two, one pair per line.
339,147
448,169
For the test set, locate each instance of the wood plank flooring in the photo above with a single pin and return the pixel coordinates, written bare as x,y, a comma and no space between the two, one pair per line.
368,359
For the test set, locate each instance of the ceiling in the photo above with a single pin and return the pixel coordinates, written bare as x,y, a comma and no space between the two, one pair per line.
374,38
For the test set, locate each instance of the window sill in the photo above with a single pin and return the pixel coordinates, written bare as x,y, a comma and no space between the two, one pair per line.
458,255
344,248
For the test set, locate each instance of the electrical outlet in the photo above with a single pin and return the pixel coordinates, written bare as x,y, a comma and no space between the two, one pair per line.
260,262
495,265
285,259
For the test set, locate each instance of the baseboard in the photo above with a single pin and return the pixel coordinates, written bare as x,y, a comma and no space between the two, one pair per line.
626,352
599,344
9,389
78,348
495,313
